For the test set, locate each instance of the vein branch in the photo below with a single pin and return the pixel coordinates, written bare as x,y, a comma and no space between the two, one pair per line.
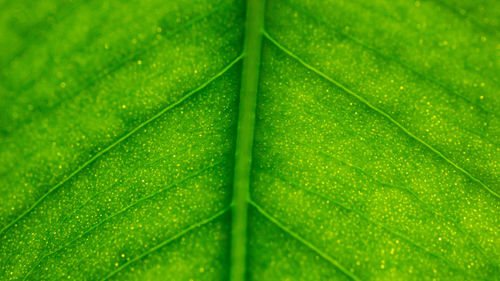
304,241
379,111
166,242
121,212
387,57
118,141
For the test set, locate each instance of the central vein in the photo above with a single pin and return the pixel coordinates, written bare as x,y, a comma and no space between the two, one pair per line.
244,138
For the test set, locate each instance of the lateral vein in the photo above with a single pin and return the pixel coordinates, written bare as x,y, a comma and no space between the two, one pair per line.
304,241
166,242
389,58
379,111
118,141
120,212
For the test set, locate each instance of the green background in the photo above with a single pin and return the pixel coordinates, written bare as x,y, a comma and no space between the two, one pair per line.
375,140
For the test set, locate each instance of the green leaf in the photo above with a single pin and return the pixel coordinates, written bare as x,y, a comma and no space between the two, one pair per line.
321,140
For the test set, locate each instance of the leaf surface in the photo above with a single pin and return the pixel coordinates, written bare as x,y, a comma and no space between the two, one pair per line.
323,140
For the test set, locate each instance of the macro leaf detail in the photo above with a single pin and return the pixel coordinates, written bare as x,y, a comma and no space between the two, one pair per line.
249,140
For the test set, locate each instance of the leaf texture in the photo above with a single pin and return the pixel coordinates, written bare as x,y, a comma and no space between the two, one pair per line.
321,140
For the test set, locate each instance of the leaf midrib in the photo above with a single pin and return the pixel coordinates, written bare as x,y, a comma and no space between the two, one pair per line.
244,137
